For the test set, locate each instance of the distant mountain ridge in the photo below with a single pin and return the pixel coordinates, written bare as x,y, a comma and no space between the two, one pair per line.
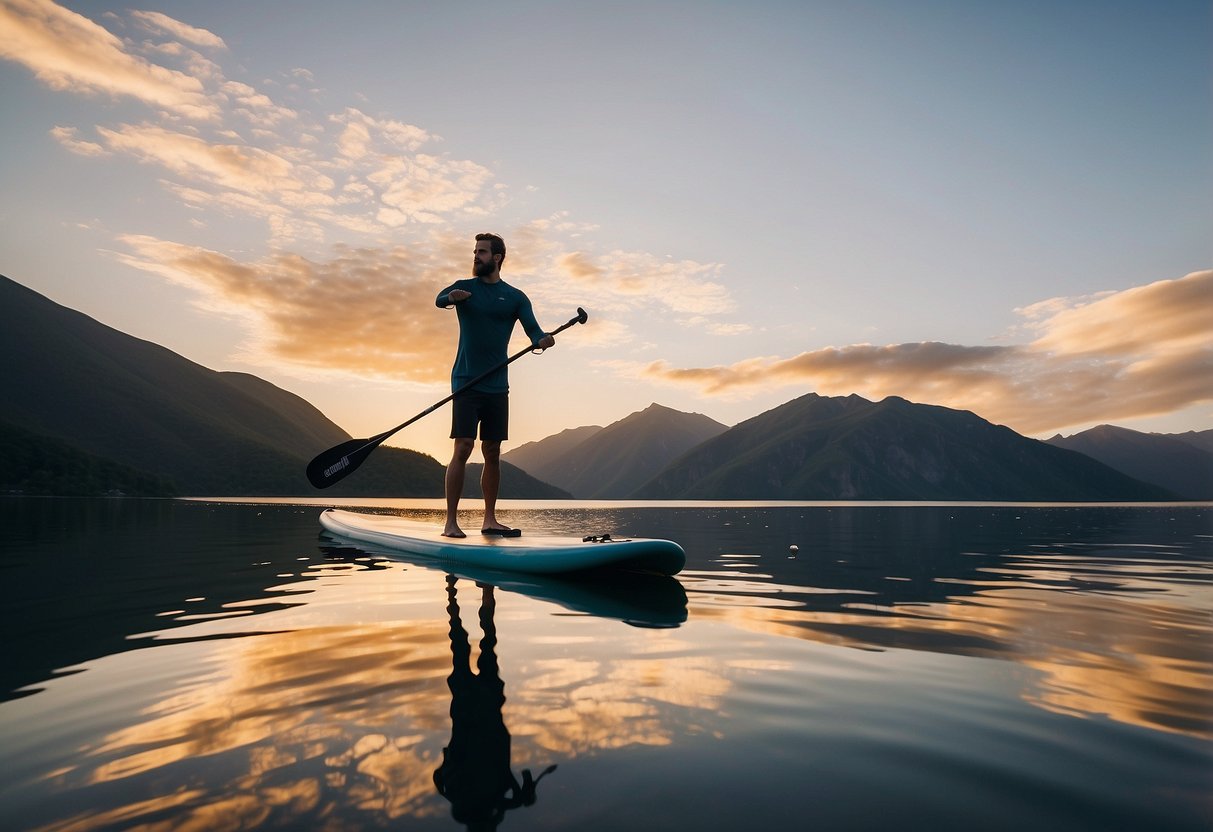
616,460
1177,462
1202,439
816,448
117,413
548,454
92,410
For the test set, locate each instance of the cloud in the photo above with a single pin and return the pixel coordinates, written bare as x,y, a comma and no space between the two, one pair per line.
67,51
345,172
363,135
293,187
726,329
256,108
157,22
365,311
368,312
1140,352
66,136
426,189
236,167
683,286
1165,315
315,177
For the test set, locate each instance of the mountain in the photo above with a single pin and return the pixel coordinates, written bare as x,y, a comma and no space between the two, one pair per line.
42,466
546,455
1169,461
614,461
1202,439
115,413
817,448
513,481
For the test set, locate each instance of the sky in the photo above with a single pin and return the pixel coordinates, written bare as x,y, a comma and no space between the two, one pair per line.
998,207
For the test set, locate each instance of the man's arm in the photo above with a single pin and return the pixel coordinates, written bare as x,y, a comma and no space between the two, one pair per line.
450,296
526,316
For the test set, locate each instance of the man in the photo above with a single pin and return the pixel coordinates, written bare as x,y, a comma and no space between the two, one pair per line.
487,307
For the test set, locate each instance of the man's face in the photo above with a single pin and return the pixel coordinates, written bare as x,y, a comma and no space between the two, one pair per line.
483,263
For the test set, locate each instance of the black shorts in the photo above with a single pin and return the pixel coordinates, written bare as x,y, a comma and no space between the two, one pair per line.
489,410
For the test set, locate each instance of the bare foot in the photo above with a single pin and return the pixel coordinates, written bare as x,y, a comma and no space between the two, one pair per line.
453,530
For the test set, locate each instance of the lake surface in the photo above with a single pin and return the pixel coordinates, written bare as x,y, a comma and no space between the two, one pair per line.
213,665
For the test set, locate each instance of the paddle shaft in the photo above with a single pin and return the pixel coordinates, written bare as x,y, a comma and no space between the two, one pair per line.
344,458
579,319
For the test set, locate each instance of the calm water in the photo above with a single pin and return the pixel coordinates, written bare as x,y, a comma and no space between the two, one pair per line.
206,666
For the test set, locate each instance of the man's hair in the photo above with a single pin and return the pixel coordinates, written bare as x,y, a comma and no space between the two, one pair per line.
496,244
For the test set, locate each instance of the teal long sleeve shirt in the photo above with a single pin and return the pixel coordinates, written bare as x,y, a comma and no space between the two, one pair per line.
486,321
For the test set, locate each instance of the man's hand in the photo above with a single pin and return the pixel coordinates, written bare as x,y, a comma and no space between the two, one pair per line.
546,342
457,295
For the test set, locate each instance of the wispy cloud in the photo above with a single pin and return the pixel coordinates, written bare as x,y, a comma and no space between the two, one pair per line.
241,151
67,51
317,177
236,167
68,137
305,192
629,278
157,22
368,312
362,136
1120,355
425,188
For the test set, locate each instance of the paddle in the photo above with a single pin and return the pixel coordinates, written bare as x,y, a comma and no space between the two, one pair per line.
340,461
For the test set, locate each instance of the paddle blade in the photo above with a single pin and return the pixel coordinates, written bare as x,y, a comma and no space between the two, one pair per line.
339,462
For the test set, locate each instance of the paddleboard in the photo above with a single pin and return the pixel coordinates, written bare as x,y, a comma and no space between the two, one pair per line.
533,554
638,599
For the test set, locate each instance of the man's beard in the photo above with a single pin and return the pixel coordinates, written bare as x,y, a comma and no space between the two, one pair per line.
483,269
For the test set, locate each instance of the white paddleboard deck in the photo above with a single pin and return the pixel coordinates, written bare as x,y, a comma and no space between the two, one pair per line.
537,555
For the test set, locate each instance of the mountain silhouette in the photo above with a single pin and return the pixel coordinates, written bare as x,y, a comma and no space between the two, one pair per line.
547,455
44,466
1202,439
93,410
1169,461
616,460
818,448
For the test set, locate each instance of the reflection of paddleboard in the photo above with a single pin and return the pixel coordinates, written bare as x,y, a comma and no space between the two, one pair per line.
635,598
540,555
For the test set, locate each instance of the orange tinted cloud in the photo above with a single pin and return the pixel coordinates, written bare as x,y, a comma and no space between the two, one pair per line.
365,311
684,286
426,188
67,51
315,178
232,166
157,22
244,152
67,136
1140,352
1169,315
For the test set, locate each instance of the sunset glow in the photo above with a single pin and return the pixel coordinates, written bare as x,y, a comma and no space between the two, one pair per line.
751,203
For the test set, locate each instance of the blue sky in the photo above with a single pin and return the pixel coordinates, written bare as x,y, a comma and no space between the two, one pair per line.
991,206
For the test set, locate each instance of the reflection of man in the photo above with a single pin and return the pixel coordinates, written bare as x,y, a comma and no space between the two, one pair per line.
475,773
